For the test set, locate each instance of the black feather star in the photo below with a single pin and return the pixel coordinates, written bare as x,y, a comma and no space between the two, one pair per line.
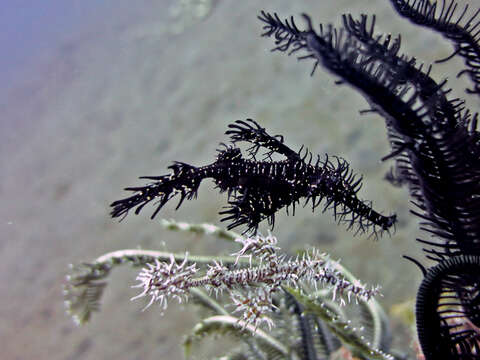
435,144
259,189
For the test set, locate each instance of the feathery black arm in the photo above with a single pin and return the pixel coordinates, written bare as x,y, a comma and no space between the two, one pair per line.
432,137
448,309
446,20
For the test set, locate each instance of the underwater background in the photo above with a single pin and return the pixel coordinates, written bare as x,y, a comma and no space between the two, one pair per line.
95,95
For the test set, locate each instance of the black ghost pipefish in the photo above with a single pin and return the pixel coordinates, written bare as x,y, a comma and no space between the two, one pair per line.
258,189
